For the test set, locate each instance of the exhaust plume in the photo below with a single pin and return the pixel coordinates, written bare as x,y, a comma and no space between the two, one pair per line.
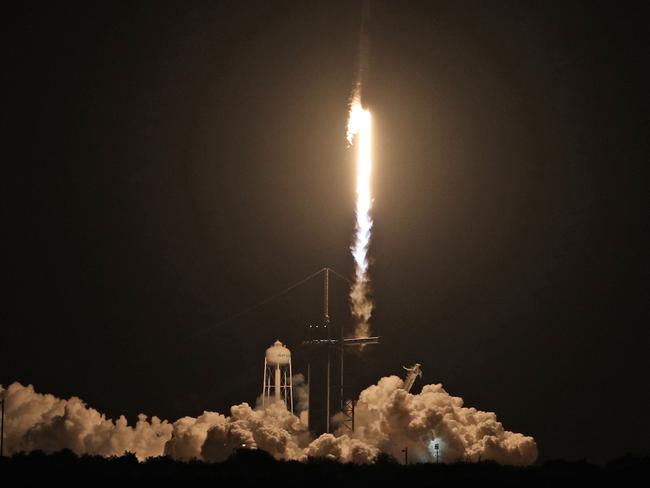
360,132
387,419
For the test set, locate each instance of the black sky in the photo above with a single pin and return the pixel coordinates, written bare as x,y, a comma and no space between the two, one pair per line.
167,165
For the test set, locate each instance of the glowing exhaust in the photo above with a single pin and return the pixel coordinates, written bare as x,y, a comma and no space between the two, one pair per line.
359,134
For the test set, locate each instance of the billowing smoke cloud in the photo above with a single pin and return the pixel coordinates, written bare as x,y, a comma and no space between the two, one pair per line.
390,419
274,430
44,422
387,420
342,448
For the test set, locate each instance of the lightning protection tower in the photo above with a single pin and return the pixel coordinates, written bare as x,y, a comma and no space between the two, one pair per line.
277,386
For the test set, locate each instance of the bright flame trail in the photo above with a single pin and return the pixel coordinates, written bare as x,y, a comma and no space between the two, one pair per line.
360,133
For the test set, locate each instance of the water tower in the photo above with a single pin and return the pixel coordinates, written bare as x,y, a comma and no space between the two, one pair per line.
277,386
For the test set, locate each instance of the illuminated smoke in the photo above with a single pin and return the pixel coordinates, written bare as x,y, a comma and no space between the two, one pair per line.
390,419
387,420
44,422
359,133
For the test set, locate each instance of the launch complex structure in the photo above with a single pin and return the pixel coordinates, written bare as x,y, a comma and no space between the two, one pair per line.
325,352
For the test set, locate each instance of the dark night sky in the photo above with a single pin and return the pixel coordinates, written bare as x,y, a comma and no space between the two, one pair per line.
168,165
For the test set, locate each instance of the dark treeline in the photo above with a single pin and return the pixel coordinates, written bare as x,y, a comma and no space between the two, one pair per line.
256,468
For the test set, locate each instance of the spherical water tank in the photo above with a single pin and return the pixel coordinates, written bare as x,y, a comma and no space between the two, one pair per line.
278,354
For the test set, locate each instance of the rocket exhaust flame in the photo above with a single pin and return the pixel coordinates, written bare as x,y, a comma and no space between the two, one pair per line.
359,133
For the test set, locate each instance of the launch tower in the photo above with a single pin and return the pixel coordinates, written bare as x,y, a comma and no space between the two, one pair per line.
325,350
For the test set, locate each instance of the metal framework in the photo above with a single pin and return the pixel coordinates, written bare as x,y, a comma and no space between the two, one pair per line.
279,379
348,414
321,347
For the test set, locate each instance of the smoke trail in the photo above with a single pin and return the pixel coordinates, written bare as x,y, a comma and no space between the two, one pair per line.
359,131
387,420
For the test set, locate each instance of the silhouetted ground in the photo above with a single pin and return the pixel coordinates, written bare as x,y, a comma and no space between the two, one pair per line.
256,468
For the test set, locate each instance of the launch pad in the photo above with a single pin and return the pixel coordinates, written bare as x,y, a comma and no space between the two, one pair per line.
325,352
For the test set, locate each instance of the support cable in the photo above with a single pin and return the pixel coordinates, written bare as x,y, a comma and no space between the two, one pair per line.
265,301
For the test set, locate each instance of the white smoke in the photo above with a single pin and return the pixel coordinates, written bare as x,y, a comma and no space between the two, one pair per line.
342,448
274,430
189,435
300,397
387,420
44,422
390,418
